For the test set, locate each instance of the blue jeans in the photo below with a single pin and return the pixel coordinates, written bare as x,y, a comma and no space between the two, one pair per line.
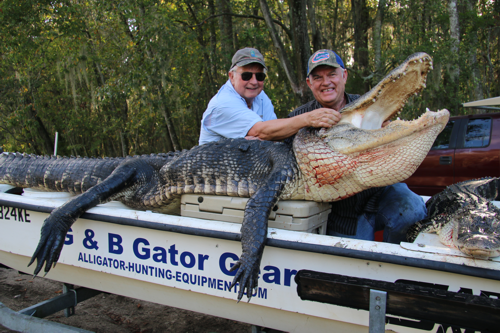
399,208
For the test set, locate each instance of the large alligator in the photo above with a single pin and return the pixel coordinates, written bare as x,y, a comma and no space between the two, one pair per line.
322,165
464,217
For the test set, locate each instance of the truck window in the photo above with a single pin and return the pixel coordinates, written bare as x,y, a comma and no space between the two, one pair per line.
443,139
478,133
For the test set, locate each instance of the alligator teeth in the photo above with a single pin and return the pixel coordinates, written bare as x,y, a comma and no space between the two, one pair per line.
423,85
420,61
416,93
404,73
432,67
374,100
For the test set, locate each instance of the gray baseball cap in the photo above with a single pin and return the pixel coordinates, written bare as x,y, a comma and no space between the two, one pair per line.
324,57
246,56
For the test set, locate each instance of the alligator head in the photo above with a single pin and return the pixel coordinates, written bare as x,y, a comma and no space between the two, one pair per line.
476,232
464,217
476,224
358,153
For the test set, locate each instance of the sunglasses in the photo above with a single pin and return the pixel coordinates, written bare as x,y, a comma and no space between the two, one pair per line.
246,76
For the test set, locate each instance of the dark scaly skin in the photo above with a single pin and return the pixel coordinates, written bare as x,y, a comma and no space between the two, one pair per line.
468,205
56,226
254,228
261,168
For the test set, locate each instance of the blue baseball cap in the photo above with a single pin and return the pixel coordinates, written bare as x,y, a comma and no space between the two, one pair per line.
324,57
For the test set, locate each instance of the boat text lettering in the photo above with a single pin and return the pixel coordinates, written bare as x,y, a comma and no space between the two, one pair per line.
14,214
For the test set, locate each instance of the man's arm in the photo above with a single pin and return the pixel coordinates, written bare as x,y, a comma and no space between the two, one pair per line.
278,129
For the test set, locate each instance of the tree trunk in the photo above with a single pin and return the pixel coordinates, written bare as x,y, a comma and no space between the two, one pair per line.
491,67
476,80
301,44
334,30
213,42
361,25
317,40
123,144
123,133
377,36
46,141
170,126
280,49
226,29
454,38
212,89
101,82
454,69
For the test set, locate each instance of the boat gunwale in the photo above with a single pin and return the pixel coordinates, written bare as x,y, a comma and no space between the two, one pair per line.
279,243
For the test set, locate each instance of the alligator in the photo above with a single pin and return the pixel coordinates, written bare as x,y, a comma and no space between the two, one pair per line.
464,218
322,165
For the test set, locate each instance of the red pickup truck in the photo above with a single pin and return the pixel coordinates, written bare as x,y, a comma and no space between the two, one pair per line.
467,148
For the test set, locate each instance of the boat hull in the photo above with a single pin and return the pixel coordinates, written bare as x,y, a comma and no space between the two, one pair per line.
184,262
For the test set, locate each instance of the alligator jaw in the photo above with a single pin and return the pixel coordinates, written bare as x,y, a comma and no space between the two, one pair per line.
480,246
389,96
348,139
345,160
360,128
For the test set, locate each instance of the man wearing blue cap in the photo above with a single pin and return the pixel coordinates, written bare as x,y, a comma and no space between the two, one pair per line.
326,77
392,208
242,109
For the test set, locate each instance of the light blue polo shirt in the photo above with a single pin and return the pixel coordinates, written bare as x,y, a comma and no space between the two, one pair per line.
228,116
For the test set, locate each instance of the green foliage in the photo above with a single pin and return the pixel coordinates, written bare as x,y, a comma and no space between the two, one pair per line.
135,77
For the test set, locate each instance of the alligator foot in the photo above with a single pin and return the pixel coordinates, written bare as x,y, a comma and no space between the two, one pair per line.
247,275
49,247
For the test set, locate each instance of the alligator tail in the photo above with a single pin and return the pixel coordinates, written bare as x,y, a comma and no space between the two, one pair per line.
50,173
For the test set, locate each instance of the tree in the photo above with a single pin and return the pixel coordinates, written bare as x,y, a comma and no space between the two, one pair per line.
123,77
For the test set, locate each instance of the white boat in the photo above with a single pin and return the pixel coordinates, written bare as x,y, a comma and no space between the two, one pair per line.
184,262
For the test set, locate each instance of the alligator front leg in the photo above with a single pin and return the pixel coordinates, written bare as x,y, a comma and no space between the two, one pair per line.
254,233
56,226
427,225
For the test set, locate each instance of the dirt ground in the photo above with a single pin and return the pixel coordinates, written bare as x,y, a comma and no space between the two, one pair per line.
109,313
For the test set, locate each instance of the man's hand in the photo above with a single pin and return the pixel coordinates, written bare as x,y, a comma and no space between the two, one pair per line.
249,137
323,117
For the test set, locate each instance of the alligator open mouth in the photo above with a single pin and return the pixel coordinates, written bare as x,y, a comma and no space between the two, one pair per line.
388,97
358,153
360,127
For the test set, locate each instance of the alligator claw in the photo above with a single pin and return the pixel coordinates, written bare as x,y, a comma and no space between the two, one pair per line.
49,247
247,275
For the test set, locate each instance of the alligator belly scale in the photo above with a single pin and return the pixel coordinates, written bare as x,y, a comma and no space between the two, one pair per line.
321,165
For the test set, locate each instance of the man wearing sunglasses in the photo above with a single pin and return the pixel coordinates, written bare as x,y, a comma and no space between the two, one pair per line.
392,208
242,109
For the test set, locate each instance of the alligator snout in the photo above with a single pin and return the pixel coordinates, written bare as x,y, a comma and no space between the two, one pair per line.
479,245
